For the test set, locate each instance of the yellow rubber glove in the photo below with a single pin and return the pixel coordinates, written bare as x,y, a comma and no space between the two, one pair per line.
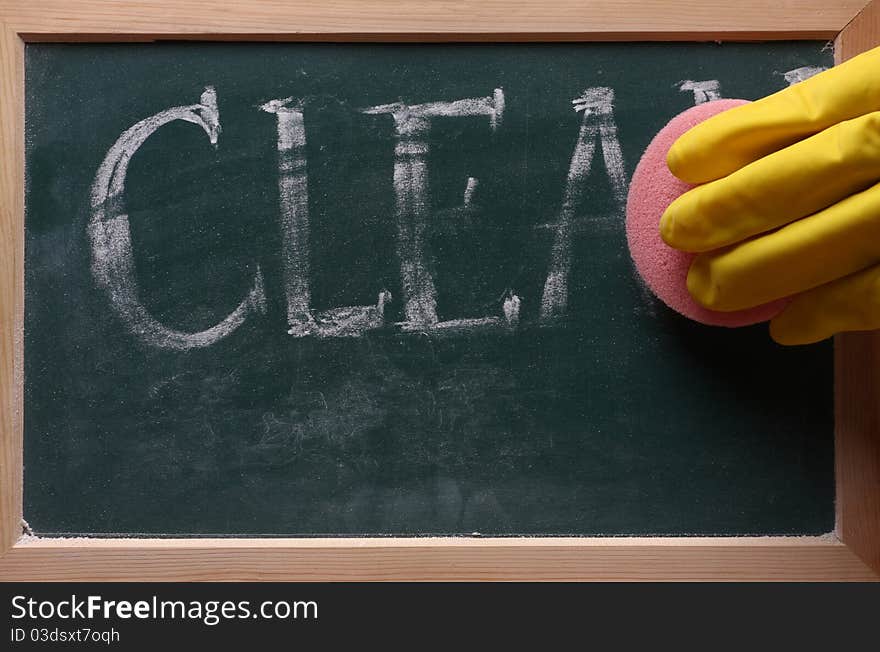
790,204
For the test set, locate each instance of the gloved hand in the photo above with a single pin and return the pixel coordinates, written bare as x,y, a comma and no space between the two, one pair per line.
791,202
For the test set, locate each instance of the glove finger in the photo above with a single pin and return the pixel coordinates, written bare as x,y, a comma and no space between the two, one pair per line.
777,189
833,243
730,140
851,303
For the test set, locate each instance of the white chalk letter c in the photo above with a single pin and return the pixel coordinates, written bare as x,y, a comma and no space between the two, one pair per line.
110,235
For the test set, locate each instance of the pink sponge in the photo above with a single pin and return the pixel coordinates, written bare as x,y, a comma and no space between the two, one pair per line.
663,268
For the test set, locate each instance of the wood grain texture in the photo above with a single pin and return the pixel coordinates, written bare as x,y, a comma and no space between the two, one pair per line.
857,381
422,20
627,559
11,282
857,443
862,33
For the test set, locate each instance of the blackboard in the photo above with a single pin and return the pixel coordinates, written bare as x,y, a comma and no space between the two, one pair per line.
189,369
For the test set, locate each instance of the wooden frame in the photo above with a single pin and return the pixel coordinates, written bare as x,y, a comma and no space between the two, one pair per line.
850,553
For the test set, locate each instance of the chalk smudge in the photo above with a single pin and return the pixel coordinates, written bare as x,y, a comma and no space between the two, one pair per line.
509,319
802,73
511,308
346,321
469,191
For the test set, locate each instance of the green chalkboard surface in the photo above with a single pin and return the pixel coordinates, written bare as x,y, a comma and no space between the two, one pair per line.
323,289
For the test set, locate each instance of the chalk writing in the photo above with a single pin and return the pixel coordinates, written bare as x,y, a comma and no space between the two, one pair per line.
802,73
412,123
110,234
597,124
704,91
111,247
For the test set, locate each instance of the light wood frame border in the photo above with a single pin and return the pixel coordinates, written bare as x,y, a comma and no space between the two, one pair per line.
849,553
